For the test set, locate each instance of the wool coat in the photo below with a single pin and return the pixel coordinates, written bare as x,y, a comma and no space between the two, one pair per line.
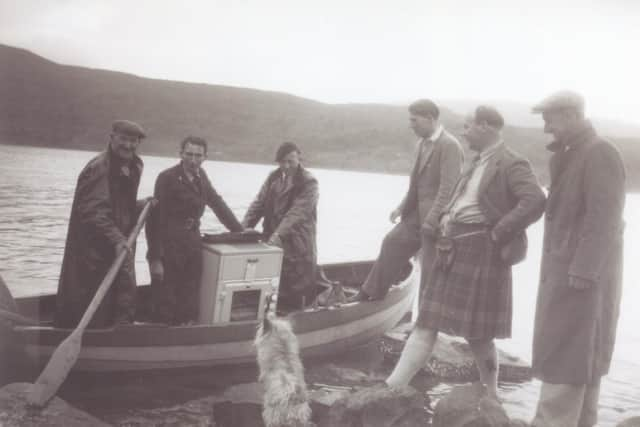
103,213
575,329
295,222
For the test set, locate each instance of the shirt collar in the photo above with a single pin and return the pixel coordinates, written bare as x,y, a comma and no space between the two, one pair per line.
190,176
436,134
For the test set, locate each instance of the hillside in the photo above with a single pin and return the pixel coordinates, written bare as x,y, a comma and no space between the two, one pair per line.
46,104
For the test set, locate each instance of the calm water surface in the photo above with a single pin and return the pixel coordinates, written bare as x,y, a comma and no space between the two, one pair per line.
36,190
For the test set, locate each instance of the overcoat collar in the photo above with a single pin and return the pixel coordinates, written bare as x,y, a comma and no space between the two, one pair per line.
578,136
120,166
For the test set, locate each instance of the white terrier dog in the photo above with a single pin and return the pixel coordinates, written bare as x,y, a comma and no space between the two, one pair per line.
285,400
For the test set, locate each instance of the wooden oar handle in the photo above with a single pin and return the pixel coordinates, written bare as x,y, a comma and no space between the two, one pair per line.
113,271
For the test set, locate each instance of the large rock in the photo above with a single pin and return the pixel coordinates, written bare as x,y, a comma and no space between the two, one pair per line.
631,422
469,406
14,411
452,359
378,406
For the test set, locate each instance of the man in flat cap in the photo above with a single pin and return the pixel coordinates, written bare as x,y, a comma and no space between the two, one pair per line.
287,204
437,165
581,272
173,233
103,213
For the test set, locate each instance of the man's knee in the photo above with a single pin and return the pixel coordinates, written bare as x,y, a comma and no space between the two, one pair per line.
400,238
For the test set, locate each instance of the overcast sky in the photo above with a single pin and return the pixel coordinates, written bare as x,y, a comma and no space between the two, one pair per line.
353,50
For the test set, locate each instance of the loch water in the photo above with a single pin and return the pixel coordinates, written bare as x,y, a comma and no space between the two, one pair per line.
36,191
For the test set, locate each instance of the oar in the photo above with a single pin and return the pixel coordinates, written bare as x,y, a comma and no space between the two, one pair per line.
67,352
17,318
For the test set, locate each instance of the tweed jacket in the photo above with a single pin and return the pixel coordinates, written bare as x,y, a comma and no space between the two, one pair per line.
296,224
432,180
511,199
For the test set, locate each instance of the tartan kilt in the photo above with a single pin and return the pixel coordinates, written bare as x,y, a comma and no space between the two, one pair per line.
473,299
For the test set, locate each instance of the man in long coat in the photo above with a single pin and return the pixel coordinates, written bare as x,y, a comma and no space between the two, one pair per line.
103,213
438,163
481,235
287,203
173,233
581,273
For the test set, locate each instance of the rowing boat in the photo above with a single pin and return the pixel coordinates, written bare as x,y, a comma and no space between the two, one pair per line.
321,330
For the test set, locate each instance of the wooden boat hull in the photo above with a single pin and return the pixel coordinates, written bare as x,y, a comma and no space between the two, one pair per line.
321,331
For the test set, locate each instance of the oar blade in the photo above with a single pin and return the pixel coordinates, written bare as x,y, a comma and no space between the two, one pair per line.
54,374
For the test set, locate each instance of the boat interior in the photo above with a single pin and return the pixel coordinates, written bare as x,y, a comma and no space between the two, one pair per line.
334,283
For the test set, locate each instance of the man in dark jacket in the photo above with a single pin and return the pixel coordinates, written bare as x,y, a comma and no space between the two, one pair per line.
103,213
287,203
173,233
481,235
581,272
438,162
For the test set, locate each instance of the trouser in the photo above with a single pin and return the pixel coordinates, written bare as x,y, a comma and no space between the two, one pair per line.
176,298
567,405
399,245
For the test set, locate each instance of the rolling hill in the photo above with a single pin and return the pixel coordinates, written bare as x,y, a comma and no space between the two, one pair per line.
43,103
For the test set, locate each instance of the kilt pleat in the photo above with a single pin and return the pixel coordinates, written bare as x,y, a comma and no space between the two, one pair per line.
473,299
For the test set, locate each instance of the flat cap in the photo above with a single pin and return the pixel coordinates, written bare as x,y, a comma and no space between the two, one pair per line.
126,127
559,101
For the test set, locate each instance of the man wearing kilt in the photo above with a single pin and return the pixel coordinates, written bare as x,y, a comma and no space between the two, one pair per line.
481,235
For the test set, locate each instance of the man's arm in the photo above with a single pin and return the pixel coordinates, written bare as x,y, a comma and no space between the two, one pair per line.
256,208
524,186
604,203
94,206
157,220
301,208
221,209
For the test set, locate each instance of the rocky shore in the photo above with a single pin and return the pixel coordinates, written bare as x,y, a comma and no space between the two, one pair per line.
347,390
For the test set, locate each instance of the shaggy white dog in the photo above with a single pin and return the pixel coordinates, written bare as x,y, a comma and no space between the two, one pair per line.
285,401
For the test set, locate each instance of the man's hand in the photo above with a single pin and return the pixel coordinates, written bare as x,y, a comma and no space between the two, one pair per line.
122,246
275,240
152,200
579,283
395,214
156,269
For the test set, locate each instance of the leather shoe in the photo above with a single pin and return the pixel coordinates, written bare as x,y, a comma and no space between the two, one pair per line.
361,296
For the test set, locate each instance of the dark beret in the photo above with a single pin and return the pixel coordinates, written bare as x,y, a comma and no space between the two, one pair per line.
561,100
284,149
126,127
